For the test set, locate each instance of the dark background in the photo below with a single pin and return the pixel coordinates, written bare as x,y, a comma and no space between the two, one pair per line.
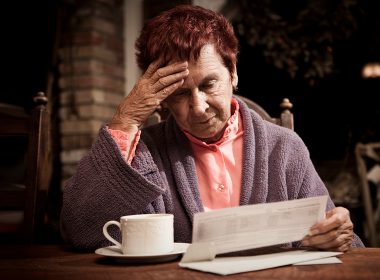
27,30
337,111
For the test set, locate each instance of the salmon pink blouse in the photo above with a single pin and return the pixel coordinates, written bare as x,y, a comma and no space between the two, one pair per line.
218,165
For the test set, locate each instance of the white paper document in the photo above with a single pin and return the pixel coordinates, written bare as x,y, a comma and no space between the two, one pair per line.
253,226
232,265
329,260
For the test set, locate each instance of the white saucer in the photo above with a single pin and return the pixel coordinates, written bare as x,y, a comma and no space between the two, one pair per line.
115,253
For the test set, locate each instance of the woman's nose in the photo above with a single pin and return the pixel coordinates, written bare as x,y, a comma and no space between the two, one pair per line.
198,102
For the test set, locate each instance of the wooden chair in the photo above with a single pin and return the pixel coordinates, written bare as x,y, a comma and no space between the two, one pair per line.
27,193
365,153
286,117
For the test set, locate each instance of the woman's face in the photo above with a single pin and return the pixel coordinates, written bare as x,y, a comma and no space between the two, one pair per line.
202,105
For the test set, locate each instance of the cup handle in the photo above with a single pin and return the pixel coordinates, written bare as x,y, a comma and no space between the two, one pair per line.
106,234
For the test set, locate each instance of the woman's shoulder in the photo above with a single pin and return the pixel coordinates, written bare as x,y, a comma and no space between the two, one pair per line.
284,137
281,132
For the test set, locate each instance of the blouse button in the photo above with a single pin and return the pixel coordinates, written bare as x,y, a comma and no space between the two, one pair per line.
221,188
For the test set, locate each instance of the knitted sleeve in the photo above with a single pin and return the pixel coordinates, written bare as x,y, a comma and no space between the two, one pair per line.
105,188
122,140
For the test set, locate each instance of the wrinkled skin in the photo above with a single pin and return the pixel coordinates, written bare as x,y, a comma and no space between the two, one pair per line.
334,233
157,83
202,105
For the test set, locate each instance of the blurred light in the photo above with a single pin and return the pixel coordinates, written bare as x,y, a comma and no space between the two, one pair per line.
371,70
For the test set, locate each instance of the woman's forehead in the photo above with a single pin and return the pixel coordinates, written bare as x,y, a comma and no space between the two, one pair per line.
207,51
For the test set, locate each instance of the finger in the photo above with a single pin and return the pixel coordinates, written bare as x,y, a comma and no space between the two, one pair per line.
334,219
320,239
152,68
336,210
342,241
171,79
334,238
169,70
345,227
164,93
344,248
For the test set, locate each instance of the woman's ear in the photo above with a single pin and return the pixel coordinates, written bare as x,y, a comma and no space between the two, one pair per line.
234,78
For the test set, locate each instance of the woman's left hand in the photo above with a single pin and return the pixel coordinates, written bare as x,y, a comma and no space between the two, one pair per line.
334,233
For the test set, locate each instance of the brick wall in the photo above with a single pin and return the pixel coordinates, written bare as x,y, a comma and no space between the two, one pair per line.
91,74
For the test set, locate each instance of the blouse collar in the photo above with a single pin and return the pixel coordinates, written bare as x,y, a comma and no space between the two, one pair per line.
230,131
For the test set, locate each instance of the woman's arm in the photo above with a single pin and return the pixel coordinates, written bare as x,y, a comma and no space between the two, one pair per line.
105,187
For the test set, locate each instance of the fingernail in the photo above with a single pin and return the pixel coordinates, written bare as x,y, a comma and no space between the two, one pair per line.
313,232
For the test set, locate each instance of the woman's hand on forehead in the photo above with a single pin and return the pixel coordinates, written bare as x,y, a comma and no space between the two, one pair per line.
166,79
157,83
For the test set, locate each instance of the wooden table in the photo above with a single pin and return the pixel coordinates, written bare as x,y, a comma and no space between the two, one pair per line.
55,262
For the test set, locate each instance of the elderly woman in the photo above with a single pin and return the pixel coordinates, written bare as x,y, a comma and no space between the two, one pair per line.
212,151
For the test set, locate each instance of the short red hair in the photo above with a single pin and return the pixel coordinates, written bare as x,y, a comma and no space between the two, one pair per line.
181,32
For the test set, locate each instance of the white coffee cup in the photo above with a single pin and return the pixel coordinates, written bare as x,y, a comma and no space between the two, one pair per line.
146,234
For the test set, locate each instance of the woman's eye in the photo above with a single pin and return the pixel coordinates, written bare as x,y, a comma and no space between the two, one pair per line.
209,84
179,93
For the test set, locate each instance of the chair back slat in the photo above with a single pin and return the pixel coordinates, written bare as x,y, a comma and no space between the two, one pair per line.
34,126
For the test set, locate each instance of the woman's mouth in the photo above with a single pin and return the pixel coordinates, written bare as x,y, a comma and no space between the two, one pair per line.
206,121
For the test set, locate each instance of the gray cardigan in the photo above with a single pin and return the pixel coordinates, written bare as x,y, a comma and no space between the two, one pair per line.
162,178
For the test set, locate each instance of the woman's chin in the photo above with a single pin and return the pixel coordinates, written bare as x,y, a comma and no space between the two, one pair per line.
208,134
208,138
